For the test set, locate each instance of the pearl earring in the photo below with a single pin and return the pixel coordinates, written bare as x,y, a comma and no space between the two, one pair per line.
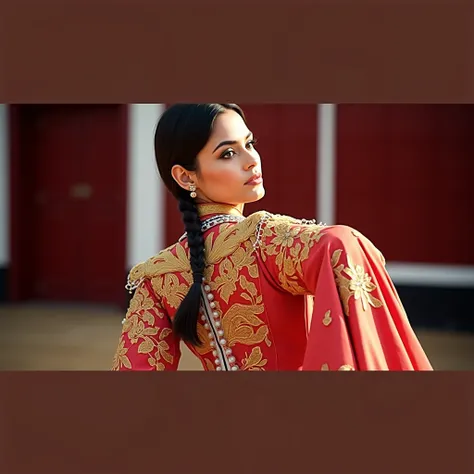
192,188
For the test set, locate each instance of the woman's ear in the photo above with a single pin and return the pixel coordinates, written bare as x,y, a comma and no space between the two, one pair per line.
182,176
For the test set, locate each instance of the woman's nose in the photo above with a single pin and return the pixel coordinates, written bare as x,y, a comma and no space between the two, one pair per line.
251,162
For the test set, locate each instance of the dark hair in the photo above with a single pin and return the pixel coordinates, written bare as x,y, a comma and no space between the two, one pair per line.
182,132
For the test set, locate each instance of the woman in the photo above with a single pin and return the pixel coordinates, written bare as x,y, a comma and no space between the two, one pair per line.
263,292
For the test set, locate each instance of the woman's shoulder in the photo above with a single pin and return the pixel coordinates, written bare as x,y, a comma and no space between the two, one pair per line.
282,226
169,260
282,223
175,258
255,230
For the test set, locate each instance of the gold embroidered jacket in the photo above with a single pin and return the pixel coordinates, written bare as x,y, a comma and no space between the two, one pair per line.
279,294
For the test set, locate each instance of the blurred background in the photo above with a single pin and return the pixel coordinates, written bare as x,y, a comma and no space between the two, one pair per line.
81,202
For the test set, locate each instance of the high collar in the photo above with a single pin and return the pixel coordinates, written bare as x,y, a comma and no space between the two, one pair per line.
208,209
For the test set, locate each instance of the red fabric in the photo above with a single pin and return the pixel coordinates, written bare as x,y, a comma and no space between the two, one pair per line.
309,298
374,338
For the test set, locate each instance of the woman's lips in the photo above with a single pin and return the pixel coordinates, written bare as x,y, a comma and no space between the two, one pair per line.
257,179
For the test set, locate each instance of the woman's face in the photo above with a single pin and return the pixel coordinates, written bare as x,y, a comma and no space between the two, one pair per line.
229,166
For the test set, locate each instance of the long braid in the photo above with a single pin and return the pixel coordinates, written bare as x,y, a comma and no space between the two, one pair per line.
181,133
187,315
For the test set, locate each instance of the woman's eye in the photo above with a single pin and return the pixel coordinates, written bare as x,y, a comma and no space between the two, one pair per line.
228,154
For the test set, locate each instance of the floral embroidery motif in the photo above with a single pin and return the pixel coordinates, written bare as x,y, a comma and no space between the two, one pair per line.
139,327
291,242
228,275
231,267
220,245
240,322
255,361
359,284
285,235
170,289
120,358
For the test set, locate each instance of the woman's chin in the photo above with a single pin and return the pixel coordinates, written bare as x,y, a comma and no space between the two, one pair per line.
256,194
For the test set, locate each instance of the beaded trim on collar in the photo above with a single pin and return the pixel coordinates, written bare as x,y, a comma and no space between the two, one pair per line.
216,220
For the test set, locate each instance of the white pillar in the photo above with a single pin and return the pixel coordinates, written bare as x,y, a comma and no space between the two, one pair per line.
326,167
4,188
146,193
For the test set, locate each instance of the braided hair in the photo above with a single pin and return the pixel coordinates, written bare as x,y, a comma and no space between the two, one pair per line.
182,132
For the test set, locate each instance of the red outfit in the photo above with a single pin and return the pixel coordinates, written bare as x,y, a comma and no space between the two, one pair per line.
279,294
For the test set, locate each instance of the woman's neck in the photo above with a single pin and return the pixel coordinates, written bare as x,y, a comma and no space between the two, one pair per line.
206,208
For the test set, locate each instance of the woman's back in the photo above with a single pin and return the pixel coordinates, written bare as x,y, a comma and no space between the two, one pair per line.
261,277
236,326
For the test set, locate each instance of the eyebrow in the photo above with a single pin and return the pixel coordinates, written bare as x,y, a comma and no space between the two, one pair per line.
230,142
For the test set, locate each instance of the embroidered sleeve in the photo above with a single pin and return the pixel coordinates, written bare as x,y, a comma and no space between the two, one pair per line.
286,245
358,321
147,341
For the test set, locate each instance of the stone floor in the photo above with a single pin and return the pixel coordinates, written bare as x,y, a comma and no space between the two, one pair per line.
55,337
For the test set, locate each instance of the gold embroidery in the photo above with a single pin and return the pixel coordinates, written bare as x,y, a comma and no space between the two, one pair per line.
142,301
228,276
327,320
170,289
162,348
291,242
241,326
358,285
141,311
239,322
230,268
171,260
285,236
335,257
228,254
209,365
218,245
120,358
325,367
251,289
135,326
227,242
255,361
